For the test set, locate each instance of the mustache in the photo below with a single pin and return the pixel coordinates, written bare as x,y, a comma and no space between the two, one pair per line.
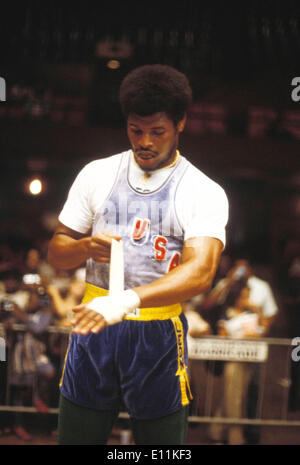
144,151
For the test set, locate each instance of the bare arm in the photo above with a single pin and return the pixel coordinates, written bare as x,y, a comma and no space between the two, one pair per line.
220,291
69,249
59,304
193,276
214,296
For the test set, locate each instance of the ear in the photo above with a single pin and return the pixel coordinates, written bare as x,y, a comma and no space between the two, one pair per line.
181,124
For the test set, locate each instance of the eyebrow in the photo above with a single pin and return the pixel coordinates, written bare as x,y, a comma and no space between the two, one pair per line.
153,127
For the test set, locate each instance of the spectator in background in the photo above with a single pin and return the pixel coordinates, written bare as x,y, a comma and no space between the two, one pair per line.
197,327
63,305
38,271
32,370
35,265
12,290
206,321
241,319
11,296
202,303
260,293
32,261
260,296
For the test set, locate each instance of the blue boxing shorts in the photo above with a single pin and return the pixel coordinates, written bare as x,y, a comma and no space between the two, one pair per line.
138,365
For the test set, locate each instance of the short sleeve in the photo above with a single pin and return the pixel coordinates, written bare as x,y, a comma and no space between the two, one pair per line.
270,307
89,190
77,213
262,295
202,206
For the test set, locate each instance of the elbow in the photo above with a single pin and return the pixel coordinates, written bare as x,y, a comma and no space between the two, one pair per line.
202,281
206,285
61,257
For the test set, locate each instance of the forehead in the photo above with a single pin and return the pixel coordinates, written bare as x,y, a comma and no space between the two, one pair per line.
156,120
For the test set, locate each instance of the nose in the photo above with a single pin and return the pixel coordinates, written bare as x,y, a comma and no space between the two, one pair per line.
145,141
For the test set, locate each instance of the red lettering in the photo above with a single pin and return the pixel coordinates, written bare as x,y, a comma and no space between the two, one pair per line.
139,228
174,262
160,249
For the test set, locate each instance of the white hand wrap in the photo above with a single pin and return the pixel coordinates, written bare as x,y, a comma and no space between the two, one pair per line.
113,308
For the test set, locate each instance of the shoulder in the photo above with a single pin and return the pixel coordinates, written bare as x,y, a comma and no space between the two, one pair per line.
96,175
258,283
88,191
201,193
259,287
201,205
101,166
201,183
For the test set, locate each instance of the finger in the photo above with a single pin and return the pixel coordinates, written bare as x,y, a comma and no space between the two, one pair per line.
84,325
100,249
85,316
102,239
87,327
112,236
93,327
101,259
98,327
98,253
105,238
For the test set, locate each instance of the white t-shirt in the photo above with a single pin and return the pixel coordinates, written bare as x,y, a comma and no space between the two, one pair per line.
261,295
20,298
201,204
241,324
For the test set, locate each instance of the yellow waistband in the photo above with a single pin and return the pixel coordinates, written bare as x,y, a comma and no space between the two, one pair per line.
144,314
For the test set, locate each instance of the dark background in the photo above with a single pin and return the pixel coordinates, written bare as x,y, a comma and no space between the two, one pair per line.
62,109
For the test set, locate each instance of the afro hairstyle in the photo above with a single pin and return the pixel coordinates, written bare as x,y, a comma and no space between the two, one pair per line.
151,89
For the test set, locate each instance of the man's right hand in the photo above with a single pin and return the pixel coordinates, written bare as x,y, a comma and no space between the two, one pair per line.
99,246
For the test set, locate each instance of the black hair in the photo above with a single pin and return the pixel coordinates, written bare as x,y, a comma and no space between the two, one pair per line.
156,88
235,292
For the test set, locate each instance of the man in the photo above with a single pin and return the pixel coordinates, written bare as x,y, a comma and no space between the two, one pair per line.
130,349
260,293
260,299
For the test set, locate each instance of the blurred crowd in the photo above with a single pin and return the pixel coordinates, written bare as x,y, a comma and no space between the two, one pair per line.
240,305
35,297
247,302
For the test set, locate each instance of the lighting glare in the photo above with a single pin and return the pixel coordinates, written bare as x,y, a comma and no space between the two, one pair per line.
35,187
113,64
